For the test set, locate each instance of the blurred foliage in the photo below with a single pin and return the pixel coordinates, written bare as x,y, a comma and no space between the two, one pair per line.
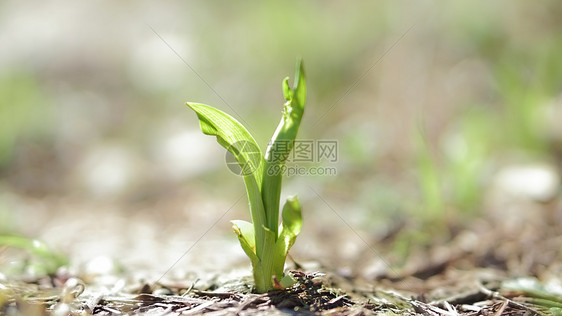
532,291
43,260
526,82
23,111
467,154
6,217
430,183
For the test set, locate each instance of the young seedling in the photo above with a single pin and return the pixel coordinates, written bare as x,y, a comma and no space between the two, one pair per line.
265,241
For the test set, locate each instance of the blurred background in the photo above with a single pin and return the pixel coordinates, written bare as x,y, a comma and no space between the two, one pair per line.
447,117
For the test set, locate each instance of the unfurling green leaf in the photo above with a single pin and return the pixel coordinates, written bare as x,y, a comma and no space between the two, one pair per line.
245,233
292,218
286,282
287,92
232,135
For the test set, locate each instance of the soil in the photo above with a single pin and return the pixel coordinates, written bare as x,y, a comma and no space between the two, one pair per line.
487,277
314,294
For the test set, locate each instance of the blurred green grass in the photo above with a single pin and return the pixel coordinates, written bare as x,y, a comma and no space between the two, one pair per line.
24,111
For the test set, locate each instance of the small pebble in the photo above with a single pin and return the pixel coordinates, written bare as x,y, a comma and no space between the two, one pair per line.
163,291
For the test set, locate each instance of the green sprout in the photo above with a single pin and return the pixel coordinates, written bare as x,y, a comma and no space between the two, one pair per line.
265,241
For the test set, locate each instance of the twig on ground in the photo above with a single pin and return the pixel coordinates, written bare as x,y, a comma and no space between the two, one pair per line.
498,296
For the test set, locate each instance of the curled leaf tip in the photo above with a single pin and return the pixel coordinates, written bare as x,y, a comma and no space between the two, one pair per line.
287,93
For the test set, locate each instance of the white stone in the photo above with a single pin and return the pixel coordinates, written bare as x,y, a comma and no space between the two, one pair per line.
539,182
